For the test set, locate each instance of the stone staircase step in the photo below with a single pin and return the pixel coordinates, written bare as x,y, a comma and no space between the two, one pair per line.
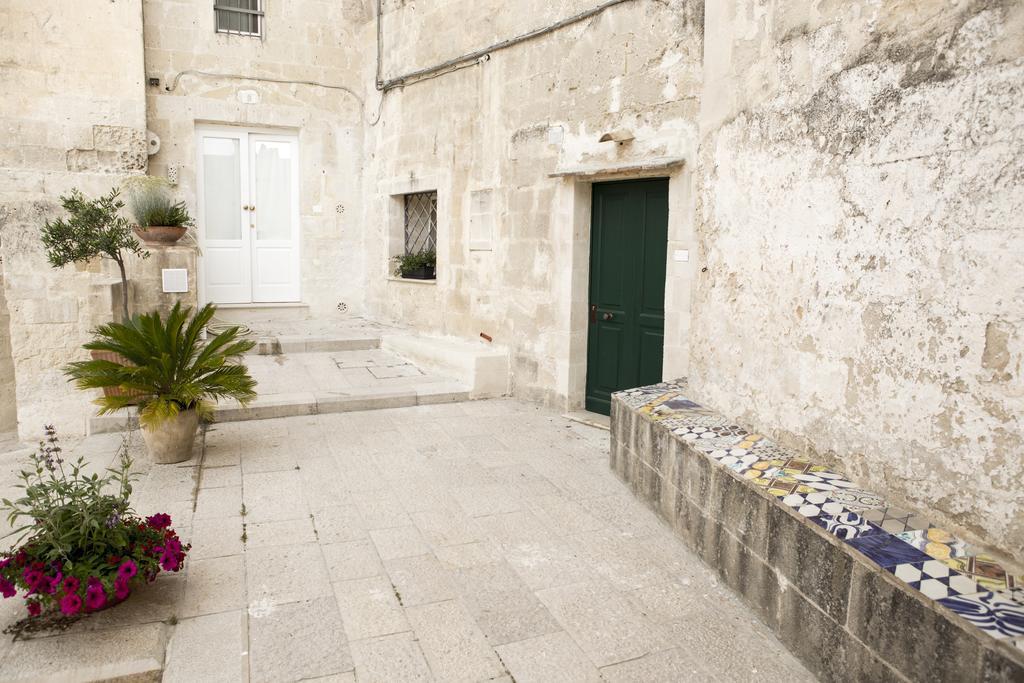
271,406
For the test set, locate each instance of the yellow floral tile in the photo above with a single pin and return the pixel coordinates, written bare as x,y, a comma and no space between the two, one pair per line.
986,571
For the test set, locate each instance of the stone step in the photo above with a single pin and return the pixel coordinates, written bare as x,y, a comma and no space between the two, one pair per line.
272,346
271,406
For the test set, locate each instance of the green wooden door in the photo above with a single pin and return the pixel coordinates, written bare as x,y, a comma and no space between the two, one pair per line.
628,242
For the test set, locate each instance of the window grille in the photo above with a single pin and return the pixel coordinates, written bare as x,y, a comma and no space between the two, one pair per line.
420,222
242,17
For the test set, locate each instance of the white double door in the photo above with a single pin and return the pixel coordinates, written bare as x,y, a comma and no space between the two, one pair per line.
248,186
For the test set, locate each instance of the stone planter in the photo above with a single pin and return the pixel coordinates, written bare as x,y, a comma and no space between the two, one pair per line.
160,234
170,441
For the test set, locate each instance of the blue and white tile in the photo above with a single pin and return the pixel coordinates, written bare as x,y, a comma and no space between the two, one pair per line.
991,612
934,579
886,550
847,525
815,504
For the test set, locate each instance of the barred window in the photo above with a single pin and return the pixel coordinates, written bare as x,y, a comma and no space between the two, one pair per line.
242,17
420,222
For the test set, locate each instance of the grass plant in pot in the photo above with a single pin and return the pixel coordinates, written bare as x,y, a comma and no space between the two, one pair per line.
419,266
80,547
159,219
177,374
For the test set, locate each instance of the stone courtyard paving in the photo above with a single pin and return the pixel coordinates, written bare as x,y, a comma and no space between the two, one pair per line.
455,542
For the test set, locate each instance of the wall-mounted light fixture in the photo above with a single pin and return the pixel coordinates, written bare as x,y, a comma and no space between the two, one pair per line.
620,136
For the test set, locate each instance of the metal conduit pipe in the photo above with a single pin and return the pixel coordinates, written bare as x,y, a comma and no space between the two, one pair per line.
475,56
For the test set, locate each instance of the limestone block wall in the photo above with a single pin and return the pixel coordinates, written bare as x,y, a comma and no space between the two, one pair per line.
304,43
862,201
512,241
72,115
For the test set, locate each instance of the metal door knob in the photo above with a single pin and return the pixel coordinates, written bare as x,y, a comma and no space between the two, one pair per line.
607,316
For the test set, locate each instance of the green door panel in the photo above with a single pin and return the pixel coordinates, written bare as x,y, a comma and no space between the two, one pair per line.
628,243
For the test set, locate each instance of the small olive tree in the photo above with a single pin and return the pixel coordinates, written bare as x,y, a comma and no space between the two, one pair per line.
94,228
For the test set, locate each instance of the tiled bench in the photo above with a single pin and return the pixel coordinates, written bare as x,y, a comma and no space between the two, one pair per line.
858,589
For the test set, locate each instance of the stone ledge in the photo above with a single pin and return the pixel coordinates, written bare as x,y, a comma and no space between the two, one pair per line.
856,588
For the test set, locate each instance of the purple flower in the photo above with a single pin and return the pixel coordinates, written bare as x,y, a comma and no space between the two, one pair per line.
95,596
128,569
34,608
121,589
159,521
70,604
7,588
33,577
71,584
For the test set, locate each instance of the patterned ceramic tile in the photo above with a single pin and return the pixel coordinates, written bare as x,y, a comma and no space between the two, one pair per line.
987,571
813,504
769,449
739,463
934,579
886,550
896,520
989,611
858,499
1017,595
847,525
783,477
703,433
937,543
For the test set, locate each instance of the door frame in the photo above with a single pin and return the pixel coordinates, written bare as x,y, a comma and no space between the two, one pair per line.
576,202
201,128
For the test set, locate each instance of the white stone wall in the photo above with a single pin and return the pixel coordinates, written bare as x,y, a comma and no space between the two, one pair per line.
311,41
72,115
862,198
501,128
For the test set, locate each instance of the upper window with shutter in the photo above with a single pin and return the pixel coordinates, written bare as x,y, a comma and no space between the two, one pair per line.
242,17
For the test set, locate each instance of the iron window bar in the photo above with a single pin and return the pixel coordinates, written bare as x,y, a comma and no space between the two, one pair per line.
248,20
420,222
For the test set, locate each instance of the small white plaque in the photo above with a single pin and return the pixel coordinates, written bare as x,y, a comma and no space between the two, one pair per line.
175,280
681,255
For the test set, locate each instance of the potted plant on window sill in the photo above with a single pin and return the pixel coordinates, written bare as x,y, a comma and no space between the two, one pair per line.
175,373
159,220
419,266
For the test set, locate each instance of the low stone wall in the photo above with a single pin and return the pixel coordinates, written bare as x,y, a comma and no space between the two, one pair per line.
857,589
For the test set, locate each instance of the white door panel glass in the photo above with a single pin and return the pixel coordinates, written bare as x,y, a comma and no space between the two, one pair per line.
249,201
222,180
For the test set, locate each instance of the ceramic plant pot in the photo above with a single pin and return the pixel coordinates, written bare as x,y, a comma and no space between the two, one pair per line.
160,234
170,440
120,360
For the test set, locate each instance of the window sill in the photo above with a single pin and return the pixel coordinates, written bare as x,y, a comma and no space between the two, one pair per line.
410,280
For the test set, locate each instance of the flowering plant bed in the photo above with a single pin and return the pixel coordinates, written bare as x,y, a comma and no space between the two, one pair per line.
83,546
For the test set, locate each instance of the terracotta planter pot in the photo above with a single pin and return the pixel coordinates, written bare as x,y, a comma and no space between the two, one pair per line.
160,234
120,360
170,441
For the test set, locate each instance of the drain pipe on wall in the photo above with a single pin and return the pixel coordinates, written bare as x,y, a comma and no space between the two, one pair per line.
470,58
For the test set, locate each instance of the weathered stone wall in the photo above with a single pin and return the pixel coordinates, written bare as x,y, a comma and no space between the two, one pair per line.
304,42
863,194
72,115
486,137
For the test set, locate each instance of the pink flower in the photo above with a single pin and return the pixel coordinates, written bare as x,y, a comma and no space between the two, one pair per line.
127,570
4,562
70,604
71,584
34,608
7,588
159,520
51,584
121,589
33,577
95,596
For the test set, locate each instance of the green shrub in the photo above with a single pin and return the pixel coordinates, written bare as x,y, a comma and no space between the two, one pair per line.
410,263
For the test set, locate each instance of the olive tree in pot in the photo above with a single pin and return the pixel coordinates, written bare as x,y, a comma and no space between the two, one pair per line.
177,375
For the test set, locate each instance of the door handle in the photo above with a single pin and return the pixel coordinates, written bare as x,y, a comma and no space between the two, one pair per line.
607,316
593,314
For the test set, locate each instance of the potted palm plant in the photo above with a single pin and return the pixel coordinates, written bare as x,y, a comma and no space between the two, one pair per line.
159,219
176,374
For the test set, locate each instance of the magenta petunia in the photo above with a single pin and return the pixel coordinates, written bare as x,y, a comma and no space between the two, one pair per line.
95,596
160,520
70,604
8,589
121,589
33,579
128,569
34,608
71,584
